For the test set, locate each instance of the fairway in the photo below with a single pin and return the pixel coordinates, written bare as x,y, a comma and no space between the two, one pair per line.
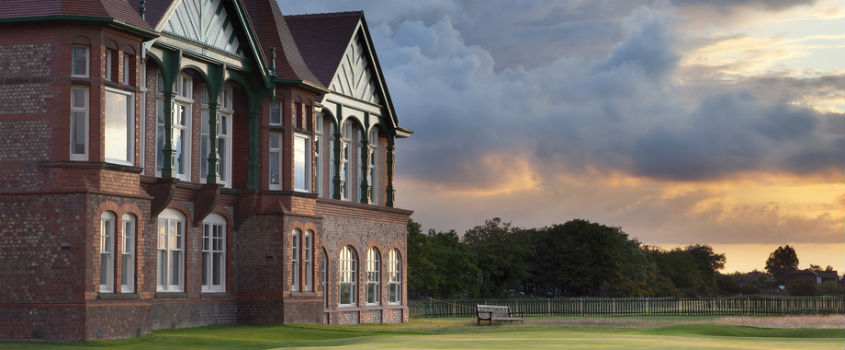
463,334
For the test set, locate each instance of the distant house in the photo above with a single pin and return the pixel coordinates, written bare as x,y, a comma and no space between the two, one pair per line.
802,275
828,276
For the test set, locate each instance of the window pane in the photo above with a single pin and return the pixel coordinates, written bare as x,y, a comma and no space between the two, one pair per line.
205,258
299,172
162,268
117,127
78,133
217,271
79,59
275,113
175,274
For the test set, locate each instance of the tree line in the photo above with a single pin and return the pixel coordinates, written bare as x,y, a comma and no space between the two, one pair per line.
576,258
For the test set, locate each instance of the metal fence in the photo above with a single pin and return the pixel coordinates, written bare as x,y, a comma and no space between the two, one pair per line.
749,306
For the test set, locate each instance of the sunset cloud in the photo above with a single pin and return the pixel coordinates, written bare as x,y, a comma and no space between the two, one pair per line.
685,121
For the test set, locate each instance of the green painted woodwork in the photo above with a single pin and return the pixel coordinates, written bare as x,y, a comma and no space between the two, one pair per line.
171,62
143,32
337,135
390,163
215,86
201,22
365,161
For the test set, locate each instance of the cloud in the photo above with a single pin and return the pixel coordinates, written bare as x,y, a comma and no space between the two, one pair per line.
732,5
545,111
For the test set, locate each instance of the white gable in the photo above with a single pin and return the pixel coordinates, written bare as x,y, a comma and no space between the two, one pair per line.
353,77
204,22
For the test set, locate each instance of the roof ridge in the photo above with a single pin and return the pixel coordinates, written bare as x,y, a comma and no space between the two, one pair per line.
328,14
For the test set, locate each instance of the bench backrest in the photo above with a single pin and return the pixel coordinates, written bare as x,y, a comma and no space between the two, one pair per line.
495,310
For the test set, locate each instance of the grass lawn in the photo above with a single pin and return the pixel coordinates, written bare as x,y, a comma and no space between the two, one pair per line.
464,334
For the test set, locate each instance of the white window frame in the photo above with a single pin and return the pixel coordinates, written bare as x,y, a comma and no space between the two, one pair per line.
74,53
84,110
108,61
107,233
275,113
308,261
347,276
302,156
130,127
171,242
126,65
275,153
127,253
213,249
294,259
373,276
394,273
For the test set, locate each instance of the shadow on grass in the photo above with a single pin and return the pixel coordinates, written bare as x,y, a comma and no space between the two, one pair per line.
721,330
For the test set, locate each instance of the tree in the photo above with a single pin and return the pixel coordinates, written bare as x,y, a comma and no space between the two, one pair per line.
782,261
502,253
423,279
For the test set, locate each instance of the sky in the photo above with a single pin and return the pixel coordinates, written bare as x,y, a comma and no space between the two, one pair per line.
719,122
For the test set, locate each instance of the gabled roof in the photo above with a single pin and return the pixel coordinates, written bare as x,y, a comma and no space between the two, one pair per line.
119,12
154,10
273,32
323,39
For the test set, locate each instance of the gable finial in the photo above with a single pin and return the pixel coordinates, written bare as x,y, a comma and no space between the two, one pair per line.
273,59
142,8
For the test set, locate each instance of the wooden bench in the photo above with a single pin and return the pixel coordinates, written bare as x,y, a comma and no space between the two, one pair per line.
492,313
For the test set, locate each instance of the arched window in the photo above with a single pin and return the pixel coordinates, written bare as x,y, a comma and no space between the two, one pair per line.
107,252
348,276
214,253
294,264
308,261
394,273
127,252
332,167
170,262
373,276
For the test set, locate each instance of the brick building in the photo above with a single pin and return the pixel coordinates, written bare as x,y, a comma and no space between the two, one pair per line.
175,163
